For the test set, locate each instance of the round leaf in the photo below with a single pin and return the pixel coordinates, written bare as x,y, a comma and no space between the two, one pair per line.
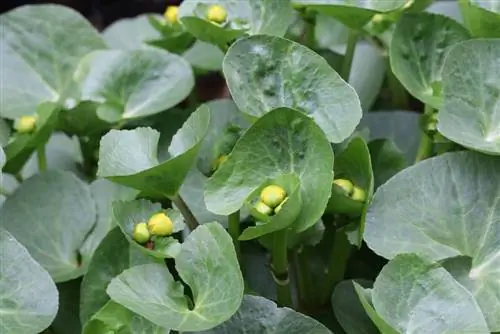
281,142
444,207
354,14
28,296
470,115
52,214
207,263
260,315
415,295
244,17
265,72
130,157
111,258
418,49
135,83
128,214
40,47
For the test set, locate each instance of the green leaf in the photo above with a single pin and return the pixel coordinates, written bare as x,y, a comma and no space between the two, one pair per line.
471,90
20,149
130,33
444,207
207,263
260,315
387,160
365,298
413,294
265,72
112,257
3,158
28,296
281,142
330,33
402,127
129,157
5,132
128,214
204,56
244,17
354,14
83,120
104,193
349,310
52,214
67,320
482,17
114,318
134,83
418,49
39,56
447,8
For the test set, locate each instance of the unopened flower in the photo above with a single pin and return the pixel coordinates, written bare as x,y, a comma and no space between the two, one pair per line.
279,207
171,14
346,186
141,233
25,124
263,208
272,195
358,194
159,224
219,161
216,14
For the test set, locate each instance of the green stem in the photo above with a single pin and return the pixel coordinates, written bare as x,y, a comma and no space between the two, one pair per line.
426,145
349,54
42,158
234,231
398,93
337,264
190,219
305,285
280,268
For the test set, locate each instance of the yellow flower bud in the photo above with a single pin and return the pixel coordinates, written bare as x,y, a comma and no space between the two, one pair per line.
160,224
218,162
358,194
171,14
141,233
272,195
25,124
346,186
279,207
263,208
216,14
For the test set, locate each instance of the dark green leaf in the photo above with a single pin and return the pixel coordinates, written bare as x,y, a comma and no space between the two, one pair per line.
444,207
470,115
265,72
67,320
387,160
129,157
52,214
40,47
207,263
418,49
28,296
281,142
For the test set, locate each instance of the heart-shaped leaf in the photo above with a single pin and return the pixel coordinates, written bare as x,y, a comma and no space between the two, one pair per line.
470,115
349,310
207,263
415,295
244,17
444,207
52,214
114,318
130,157
28,296
128,214
265,72
38,57
20,149
418,49
281,142
354,14
482,17
134,83
111,258
402,127
260,315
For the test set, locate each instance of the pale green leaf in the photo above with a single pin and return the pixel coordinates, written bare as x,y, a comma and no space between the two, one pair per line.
130,33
